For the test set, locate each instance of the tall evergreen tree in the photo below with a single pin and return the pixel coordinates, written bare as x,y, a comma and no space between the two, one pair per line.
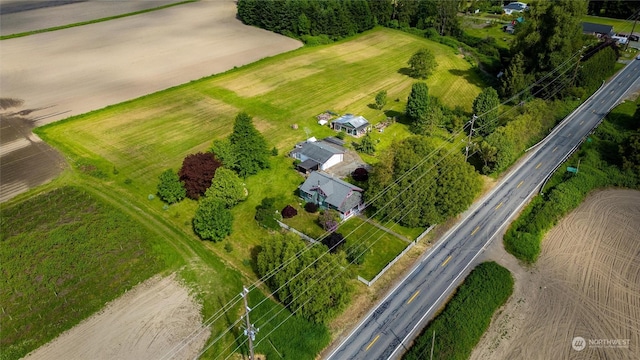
485,106
249,146
417,103
514,79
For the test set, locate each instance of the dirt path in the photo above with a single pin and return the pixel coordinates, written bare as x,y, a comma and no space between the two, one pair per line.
586,284
145,323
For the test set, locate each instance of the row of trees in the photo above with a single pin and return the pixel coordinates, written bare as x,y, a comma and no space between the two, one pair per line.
310,283
215,181
416,185
340,18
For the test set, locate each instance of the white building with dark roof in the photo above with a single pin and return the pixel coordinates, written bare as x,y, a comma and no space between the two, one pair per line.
317,155
330,193
514,7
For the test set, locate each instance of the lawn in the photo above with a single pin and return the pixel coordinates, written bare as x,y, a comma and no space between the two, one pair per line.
64,254
484,28
383,247
120,151
619,25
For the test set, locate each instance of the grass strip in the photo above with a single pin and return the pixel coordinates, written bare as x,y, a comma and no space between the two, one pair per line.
82,23
466,317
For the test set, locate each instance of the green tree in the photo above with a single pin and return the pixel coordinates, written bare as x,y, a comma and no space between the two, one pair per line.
485,106
422,64
417,103
488,154
224,151
311,283
416,188
212,220
381,99
551,34
514,79
427,124
249,146
447,17
170,188
366,145
227,187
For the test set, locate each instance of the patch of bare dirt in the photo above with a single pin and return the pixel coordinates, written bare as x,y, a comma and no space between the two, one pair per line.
148,322
586,284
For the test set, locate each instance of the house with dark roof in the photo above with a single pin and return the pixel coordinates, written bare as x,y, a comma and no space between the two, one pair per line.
351,124
318,155
597,29
330,193
514,7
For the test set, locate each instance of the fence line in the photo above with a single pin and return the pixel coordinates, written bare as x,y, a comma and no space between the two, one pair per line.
299,233
388,266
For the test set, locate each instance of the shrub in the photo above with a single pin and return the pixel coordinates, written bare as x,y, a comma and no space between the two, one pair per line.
266,213
170,188
289,212
334,242
360,174
329,220
212,221
340,135
311,207
196,173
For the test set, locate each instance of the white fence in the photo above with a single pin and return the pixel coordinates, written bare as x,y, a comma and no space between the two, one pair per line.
384,270
304,236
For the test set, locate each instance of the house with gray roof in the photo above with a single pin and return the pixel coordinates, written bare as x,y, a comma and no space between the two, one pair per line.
330,193
317,155
351,124
514,7
597,29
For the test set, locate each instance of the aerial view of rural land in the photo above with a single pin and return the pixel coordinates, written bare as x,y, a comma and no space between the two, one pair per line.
319,179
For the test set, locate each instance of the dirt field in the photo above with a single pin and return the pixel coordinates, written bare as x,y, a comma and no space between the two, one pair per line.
50,76
148,322
586,284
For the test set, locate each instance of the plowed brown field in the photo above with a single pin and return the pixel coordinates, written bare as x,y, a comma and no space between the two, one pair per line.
586,284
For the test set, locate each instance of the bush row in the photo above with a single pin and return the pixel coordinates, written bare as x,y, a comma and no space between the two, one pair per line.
460,325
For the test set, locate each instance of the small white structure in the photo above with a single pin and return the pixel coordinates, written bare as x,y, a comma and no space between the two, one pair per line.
514,7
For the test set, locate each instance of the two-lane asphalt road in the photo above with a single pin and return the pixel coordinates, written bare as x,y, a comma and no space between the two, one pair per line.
389,328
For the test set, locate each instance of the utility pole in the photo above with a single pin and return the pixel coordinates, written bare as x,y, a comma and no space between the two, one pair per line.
433,341
575,72
626,46
466,155
249,331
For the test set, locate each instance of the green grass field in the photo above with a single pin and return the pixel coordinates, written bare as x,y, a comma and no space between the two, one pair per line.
383,247
619,25
64,254
118,152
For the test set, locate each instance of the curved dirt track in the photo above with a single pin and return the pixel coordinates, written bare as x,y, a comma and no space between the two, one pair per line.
145,323
586,284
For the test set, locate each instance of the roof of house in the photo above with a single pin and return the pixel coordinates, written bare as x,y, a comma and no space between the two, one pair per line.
319,151
340,194
309,164
352,121
516,6
588,27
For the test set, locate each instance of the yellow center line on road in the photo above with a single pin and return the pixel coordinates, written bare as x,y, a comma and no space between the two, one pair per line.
413,297
521,182
498,207
554,149
475,231
537,166
372,342
446,261
581,122
602,102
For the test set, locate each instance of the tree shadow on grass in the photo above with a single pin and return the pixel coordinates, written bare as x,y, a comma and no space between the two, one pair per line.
470,75
400,118
405,71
